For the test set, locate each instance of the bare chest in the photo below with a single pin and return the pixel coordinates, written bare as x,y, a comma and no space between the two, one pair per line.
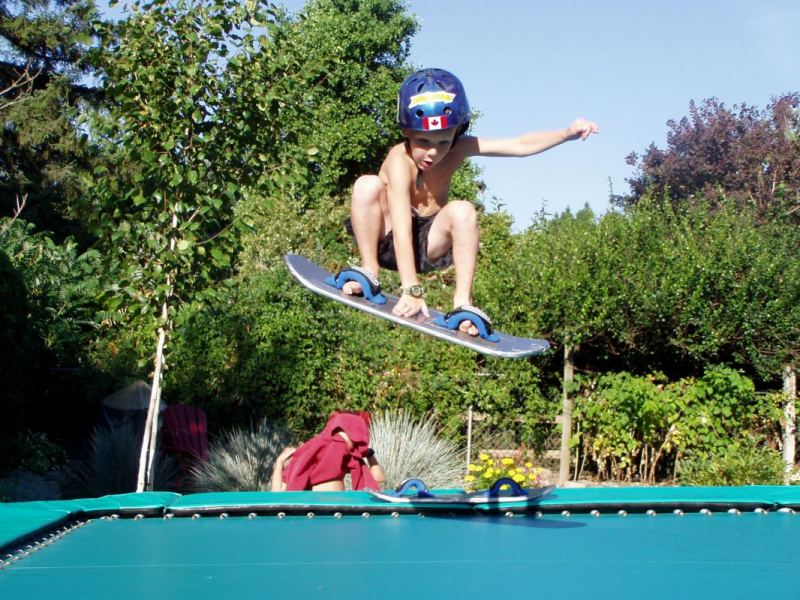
429,193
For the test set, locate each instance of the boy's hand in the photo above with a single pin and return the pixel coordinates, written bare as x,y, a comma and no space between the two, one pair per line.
582,128
408,306
285,455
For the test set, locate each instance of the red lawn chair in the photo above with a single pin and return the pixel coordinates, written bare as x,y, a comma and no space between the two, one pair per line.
187,434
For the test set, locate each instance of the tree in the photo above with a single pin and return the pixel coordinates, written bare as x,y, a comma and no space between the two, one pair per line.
744,153
43,79
188,126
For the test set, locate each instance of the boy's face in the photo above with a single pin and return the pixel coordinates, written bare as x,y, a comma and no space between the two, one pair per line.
428,148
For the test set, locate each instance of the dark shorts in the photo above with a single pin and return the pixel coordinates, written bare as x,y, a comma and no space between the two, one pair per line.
420,228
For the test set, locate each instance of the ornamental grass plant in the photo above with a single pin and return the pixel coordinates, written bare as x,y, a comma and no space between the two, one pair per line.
113,463
410,448
242,460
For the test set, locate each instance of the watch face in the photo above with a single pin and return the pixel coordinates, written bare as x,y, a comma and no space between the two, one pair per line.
415,290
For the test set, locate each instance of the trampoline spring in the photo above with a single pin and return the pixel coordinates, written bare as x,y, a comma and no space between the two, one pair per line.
195,516
115,516
310,515
365,515
138,517
337,515
538,513
280,515
509,514
595,513
252,516
761,511
223,515
566,513
678,512
622,513
734,511
705,511
395,514
169,516
786,510
651,513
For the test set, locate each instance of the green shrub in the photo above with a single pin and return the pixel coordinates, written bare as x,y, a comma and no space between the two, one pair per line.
409,448
40,454
241,460
640,426
744,462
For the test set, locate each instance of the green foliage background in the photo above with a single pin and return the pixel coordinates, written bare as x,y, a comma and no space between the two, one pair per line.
219,136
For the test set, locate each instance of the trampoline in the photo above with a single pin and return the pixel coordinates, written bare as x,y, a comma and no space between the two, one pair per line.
576,543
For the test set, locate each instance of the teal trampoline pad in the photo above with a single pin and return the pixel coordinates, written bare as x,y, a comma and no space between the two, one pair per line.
575,544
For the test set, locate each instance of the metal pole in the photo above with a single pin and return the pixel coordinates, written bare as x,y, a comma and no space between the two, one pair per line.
469,436
790,416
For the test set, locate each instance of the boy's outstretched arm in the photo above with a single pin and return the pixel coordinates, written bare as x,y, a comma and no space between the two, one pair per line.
528,144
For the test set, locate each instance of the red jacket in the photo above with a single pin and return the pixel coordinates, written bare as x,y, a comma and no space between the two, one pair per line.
325,457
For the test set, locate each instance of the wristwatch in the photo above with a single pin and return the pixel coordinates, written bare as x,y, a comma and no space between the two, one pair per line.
415,291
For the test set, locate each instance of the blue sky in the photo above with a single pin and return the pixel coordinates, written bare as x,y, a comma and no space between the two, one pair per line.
628,65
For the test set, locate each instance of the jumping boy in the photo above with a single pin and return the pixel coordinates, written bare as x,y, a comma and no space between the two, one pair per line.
401,218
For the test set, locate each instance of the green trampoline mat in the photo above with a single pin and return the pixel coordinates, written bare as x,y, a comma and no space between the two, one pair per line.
659,555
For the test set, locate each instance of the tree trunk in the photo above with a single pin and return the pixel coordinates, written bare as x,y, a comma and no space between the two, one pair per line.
566,415
145,479
147,456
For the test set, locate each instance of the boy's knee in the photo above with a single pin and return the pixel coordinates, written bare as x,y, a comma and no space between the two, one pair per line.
463,213
367,188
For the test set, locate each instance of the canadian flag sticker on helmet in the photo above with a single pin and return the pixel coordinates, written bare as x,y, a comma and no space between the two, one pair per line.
433,123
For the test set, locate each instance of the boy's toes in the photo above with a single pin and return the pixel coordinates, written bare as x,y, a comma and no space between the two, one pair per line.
468,327
352,288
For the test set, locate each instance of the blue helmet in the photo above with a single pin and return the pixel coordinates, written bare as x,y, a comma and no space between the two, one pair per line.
432,99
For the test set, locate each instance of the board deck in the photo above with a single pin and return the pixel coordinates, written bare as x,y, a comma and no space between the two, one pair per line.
313,277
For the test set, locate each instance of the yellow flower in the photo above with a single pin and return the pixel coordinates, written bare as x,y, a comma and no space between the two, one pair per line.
484,456
519,478
469,478
490,463
529,464
474,467
512,472
507,461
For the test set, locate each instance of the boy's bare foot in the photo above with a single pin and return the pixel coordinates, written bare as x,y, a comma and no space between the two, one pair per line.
352,288
468,327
